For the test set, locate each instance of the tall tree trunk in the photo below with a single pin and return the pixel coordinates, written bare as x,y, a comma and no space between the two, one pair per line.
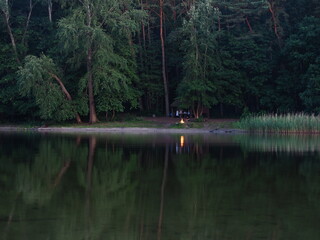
66,93
50,10
197,110
174,14
27,22
275,21
6,15
131,44
249,25
144,36
143,28
92,115
164,75
141,54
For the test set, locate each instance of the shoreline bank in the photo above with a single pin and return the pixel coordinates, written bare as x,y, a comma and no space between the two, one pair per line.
132,130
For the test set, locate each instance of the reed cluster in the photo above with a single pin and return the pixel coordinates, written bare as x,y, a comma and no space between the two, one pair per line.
281,123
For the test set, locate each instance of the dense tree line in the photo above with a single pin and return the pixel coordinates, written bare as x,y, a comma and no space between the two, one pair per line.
90,59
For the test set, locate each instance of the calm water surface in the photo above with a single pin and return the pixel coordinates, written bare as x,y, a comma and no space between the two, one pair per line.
163,187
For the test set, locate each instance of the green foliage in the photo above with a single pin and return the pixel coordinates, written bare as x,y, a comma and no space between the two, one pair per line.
201,61
250,54
149,71
296,86
113,69
36,80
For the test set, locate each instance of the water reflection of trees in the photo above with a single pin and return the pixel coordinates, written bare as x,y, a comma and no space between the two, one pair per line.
280,143
90,186
37,179
97,188
249,202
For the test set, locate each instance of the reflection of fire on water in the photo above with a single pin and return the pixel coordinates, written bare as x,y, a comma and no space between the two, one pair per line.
181,141
181,121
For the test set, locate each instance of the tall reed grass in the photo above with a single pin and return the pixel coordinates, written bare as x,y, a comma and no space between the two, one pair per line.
281,123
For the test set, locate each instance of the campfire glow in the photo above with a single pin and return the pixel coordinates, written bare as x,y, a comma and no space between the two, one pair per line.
181,121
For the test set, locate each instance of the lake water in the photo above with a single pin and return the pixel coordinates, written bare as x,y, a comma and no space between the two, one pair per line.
168,187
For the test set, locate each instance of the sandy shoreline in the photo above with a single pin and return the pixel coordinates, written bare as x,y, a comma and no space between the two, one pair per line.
133,130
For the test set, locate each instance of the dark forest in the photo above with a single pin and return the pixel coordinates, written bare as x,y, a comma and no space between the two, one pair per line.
88,60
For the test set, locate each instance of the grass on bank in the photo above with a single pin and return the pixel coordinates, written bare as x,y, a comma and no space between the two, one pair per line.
136,122
114,124
147,123
281,123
